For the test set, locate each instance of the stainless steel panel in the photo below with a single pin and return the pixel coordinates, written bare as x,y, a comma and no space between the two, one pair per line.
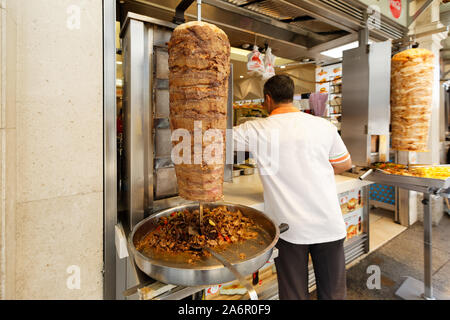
380,88
162,35
355,92
109,150
365,98
148,124
163,162
354,255
427,242
162,64
162,109
229,153
161,84
166,183
135,84
163,145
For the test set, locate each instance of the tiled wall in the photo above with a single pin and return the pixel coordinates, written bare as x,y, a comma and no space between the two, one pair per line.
52,136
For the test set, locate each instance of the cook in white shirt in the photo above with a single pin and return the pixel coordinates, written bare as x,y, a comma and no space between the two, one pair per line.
297,155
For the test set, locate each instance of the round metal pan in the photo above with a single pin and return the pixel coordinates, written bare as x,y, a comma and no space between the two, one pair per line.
174,268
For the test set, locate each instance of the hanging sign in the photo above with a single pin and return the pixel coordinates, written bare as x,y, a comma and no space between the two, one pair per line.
396,8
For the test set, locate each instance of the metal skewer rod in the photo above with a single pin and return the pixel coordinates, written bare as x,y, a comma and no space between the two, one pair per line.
199,10
200,203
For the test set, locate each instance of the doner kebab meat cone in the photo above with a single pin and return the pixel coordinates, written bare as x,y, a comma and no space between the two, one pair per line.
411,99
199,64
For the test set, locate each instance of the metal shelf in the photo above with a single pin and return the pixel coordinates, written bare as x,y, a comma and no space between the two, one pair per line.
419,184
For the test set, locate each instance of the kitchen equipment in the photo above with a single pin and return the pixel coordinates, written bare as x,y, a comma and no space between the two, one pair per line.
200,209
237,172
412,288
365,102
246,168
174,269
249,171
149,175
419,184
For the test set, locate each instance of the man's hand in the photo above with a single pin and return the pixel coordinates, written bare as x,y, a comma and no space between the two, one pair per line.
342,167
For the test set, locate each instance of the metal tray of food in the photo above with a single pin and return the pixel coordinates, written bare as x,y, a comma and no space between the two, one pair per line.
174,269
409,182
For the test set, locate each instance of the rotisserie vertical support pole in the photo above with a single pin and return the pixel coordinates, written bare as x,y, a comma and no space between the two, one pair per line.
427,242
199,10
200,211
412,289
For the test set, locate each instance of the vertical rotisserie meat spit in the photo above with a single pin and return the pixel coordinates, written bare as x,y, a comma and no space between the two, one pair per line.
199,64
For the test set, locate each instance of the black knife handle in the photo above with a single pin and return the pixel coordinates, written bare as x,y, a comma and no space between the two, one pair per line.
283,227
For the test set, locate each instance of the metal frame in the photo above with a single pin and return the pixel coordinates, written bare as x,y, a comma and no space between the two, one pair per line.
411,288
345,15
109,149
264,18
179,11
260,23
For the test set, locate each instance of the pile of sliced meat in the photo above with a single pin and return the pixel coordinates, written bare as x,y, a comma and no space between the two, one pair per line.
199,64
180,232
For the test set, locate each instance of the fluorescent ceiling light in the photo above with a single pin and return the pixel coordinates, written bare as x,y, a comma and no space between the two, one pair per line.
337,52
241,77
283,67
119,62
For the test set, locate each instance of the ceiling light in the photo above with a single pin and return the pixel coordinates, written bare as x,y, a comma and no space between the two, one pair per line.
241,77
337,52
119,62
283,67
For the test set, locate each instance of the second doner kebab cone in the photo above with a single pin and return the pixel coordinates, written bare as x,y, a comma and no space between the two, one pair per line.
199,64
411,99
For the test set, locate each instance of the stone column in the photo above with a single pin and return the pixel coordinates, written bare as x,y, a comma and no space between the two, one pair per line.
8,158
51,149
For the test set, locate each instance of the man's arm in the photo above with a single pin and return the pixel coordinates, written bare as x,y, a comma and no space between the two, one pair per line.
343,166
339,156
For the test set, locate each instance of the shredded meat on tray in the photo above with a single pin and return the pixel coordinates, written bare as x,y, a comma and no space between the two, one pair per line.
180,231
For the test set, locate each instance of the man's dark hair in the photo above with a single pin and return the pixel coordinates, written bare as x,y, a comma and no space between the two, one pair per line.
280,88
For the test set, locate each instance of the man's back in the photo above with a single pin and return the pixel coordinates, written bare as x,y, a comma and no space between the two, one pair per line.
293,154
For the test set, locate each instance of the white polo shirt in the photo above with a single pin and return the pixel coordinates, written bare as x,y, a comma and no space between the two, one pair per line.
298,180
